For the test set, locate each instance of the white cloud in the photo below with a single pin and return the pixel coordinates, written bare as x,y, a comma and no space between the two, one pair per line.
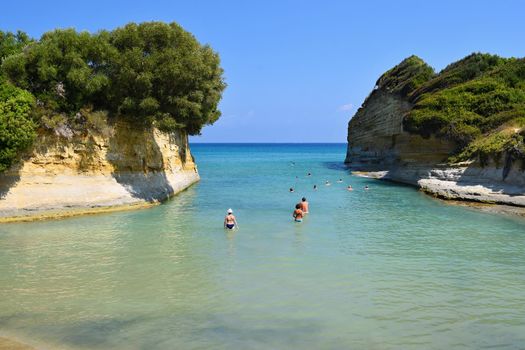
347,107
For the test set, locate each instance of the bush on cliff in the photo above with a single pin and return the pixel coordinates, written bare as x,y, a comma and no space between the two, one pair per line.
406,77
17,128
477,102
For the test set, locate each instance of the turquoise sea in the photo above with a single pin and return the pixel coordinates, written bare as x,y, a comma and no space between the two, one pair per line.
388,268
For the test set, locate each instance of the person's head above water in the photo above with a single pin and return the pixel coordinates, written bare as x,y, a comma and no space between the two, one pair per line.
304,199
291,189
298,206
230,211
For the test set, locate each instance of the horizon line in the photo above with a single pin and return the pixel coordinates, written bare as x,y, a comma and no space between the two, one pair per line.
263,142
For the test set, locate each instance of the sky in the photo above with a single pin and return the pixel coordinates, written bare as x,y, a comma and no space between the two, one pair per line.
298,70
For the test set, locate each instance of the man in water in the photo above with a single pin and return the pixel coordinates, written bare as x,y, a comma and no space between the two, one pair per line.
366,187
349,188
327,183
304,206
298,213
229,221
291,189
315,187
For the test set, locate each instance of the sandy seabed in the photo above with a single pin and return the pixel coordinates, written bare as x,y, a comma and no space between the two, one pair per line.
10,344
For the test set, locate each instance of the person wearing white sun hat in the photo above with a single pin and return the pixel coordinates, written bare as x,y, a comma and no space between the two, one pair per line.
229,221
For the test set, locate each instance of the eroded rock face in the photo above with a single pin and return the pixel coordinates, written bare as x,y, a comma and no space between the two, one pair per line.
126,166
378,145
376,138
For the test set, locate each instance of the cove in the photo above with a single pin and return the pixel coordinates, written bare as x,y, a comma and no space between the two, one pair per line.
386,268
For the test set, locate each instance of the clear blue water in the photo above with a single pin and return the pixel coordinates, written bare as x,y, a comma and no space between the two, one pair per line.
388,268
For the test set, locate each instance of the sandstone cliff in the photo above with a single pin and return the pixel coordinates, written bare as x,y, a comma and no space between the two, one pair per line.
379,146
124,167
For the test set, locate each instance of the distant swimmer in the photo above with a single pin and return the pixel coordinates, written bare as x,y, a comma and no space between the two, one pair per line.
349,188
229,221
309,174
327,183
340,180
298,213
292,163
291,189
366,187
304,205
315,187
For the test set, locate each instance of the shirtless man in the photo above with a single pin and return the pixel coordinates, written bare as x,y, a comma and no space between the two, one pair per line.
304,206
229,221
298,213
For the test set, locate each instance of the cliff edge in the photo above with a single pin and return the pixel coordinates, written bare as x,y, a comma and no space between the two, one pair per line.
100,121
395,136
123,168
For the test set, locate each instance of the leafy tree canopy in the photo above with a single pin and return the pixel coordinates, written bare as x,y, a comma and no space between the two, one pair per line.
148,73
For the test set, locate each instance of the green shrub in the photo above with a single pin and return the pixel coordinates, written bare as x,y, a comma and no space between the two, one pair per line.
467,103
17,128
406,77
459,72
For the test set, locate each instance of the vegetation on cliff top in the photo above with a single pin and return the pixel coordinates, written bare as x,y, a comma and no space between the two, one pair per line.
478,102
149,74
406,77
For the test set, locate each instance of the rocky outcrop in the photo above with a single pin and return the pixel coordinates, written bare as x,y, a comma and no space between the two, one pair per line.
124,167
379,147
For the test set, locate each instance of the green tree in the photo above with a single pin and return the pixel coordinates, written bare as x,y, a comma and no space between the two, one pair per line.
65,70
12,43
147,73
162,74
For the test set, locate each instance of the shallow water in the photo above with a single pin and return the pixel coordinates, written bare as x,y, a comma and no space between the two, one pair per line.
388,268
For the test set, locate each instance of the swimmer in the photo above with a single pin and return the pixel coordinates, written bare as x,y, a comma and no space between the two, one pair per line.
366,187
298,213
291,189
349,188
327,183
304,206
309,174
229,221
340,180
315,187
